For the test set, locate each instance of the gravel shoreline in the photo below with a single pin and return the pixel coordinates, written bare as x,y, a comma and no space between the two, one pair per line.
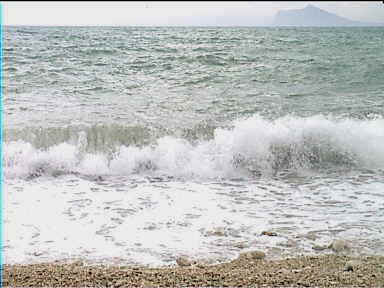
306,271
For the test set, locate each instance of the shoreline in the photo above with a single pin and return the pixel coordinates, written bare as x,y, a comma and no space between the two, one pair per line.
329,270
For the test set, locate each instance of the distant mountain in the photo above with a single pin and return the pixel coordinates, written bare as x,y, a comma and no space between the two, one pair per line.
313,16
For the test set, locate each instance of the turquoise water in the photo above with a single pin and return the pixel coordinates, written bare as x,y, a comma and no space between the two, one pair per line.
167,134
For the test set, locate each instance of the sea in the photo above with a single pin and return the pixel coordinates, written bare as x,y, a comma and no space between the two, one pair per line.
139,145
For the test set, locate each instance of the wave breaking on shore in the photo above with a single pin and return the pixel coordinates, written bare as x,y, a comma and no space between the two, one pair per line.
250,147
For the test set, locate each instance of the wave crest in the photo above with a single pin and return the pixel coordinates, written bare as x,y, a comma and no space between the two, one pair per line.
253,146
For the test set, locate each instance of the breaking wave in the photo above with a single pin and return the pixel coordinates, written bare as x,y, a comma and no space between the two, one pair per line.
250,147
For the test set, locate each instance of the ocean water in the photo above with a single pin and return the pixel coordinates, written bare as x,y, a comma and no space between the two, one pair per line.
136,145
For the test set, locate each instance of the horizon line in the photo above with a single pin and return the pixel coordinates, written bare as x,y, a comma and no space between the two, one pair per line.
375,24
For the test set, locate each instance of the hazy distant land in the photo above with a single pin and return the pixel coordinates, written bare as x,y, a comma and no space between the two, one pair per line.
313,16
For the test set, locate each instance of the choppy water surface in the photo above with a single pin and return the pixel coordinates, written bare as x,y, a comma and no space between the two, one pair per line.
138,145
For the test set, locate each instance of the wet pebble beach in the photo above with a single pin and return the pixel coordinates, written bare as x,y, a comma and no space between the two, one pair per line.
308,271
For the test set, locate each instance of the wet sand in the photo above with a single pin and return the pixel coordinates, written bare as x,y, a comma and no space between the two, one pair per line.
309,271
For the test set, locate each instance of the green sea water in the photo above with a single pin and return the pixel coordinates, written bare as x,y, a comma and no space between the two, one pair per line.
58,76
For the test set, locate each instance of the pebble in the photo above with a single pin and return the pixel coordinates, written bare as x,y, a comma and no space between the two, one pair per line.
311,236
217,232
289,243
319,247
254,255
268,233
78,263
284,271
352,265
241,245
183,261
339,245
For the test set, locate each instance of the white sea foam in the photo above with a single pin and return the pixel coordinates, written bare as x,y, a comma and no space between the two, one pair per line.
251,146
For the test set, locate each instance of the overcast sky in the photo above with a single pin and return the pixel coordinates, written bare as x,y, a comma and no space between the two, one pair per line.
199,13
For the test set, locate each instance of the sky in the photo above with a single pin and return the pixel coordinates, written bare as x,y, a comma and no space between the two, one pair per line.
175,13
